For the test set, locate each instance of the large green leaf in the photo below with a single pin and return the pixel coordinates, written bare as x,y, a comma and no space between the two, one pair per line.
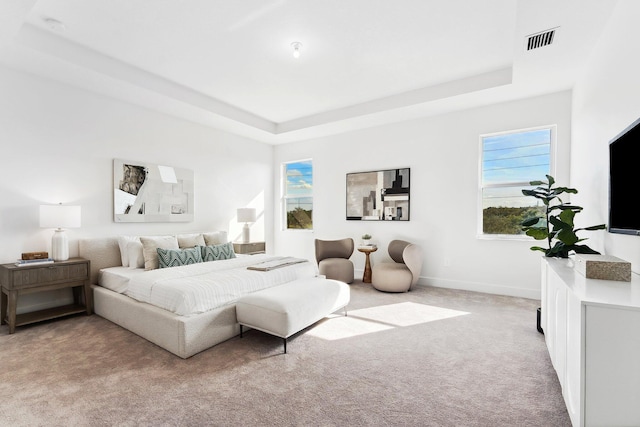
559,224
567,216
594,227
558,250
537,233
530,221
567,236
562,208
584,249
537,193
563,251
560,190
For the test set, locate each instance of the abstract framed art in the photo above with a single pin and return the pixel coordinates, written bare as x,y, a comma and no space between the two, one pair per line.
146,192
378,195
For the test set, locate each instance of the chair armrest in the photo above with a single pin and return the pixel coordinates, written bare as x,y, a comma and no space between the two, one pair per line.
412,256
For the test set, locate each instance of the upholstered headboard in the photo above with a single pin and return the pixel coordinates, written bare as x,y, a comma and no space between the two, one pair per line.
103,253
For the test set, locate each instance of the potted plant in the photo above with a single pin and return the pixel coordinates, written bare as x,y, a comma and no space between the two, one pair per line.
366,238
556,226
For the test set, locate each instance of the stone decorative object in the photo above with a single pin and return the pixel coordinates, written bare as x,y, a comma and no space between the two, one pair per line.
603,267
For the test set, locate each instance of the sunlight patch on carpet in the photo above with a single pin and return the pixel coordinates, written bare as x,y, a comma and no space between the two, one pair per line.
406,313
380,318
341,327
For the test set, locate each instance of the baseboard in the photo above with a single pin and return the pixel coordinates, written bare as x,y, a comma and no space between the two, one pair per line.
486,288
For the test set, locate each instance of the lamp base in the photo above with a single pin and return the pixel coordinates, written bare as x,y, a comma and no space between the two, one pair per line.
246,233
60,245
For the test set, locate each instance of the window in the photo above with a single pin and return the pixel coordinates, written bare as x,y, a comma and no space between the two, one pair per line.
510,160
298,195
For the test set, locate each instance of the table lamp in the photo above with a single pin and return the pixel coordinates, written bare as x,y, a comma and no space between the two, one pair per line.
59,217
246,215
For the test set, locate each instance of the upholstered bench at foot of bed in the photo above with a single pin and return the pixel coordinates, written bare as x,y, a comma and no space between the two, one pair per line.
286,309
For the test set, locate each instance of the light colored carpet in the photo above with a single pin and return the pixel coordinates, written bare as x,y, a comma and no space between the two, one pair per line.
430,357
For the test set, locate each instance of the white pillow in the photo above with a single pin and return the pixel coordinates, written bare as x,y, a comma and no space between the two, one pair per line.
215,238
123,242
136,254
190,240
150,247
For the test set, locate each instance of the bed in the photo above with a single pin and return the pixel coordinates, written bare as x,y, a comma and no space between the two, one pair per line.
188,327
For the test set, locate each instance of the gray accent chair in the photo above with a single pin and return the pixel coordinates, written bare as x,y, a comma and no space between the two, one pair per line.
401,274
333,259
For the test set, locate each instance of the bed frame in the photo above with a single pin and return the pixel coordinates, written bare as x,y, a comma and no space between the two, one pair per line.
183,336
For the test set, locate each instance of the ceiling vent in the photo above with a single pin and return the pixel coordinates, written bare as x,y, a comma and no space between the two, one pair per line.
541,39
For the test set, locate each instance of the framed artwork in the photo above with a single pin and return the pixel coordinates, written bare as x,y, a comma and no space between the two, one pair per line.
378,195
145,192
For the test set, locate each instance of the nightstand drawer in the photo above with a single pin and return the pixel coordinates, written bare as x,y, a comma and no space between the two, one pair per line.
48,274
249,248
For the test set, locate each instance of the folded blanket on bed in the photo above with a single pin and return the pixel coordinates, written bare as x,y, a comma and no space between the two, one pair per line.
276,263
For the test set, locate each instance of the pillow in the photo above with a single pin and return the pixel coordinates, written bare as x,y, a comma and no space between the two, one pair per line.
218,252
150,247
136,255
190,240
215,238
178,257
123,241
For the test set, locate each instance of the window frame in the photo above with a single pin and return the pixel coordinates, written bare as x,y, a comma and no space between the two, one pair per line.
284,196
480,210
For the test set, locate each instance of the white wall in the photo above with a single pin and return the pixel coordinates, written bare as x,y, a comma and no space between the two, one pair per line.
58,145
605,101
442,153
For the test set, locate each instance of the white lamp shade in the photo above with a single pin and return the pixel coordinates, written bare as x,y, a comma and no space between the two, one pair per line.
59,216
246,215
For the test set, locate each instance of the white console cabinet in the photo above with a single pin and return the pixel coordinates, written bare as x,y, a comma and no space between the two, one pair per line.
592,331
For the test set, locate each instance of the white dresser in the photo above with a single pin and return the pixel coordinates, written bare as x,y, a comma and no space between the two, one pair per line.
592,331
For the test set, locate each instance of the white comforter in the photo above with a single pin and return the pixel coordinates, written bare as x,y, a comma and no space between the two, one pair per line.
201,287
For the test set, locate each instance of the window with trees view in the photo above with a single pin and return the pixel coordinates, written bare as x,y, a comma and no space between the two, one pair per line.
298,194
510,160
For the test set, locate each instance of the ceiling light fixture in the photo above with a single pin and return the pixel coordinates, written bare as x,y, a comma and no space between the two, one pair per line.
296,49
54,24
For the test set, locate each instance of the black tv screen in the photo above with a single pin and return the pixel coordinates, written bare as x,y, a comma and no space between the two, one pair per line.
624,181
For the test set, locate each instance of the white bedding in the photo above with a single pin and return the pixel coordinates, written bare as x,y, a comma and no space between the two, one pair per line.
117,278
201,287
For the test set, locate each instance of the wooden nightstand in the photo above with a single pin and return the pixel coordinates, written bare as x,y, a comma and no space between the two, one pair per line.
249,248
16,281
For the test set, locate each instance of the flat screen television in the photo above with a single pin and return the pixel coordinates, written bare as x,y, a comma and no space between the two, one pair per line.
624,181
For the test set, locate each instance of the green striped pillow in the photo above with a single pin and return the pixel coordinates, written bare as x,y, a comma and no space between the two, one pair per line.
218,252
177,257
